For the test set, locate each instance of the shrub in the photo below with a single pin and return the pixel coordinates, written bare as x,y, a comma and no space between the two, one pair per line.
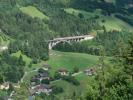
45,81
57,75
103,21
81,15
75,69
71,79
57,90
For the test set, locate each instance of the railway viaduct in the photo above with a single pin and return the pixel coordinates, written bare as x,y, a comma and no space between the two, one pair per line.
55,41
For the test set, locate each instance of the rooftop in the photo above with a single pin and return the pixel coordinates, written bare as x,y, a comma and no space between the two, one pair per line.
63,70
43,86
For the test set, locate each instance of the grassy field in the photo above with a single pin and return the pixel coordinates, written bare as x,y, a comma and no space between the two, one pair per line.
25,58
69,90
111,22
33,12
70,60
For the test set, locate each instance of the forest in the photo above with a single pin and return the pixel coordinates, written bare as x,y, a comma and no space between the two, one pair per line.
29,33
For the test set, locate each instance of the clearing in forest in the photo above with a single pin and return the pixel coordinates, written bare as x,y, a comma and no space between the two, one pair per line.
33,12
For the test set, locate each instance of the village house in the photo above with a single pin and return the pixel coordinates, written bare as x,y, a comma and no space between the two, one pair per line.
39,77
5,86
46,67
16,85
63,72
41,88
44,76
89,71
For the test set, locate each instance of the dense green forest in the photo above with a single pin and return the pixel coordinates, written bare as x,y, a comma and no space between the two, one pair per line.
26,26
119,86
8,65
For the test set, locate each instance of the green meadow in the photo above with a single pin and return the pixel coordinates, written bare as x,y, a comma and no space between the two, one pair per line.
70,60
25,58
69,89
113,23
33,12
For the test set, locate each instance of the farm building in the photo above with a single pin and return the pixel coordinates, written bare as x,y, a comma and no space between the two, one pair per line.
63,72
41,88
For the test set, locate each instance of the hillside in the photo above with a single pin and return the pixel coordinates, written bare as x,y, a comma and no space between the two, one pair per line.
77,67
110,22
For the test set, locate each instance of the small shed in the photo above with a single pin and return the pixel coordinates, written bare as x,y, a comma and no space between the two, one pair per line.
46,67
42,88
63,71
5,86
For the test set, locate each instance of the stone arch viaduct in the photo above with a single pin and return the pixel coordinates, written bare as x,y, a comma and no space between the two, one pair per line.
55,41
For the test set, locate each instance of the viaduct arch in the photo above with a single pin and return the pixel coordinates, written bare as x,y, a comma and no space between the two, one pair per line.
55,41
